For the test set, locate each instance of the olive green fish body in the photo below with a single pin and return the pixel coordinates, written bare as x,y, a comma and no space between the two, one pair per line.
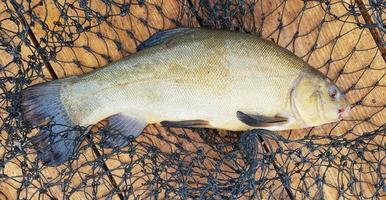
202,74
186,78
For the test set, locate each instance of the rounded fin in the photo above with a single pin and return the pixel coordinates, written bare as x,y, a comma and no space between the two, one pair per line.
40,104
119,128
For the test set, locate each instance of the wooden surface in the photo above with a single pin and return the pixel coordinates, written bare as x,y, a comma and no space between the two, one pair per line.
12,169
75,59
306,27
301,33
129,30
340,52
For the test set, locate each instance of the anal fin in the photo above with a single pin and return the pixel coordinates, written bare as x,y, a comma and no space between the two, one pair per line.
186,124
119,128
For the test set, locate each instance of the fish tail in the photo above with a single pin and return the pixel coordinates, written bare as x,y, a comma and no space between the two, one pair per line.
40,104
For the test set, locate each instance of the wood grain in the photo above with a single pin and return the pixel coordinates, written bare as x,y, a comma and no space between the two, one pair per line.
326,41
115,35
180,149
39,187
106,41
12,167
361,70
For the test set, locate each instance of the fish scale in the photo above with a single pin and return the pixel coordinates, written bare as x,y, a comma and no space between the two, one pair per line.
193,78
203,74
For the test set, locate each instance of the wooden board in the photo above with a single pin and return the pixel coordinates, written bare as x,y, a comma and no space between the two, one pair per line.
104,45
12,170
106,40
331,38
11,186
180,149
112,40
355,76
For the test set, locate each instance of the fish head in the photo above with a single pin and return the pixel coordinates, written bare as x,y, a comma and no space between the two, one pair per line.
315,100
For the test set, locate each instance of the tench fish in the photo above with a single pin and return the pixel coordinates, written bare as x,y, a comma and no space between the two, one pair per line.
185,78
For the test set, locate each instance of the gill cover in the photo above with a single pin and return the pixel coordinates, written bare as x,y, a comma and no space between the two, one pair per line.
310,101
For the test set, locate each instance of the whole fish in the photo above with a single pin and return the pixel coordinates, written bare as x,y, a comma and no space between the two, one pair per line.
185,78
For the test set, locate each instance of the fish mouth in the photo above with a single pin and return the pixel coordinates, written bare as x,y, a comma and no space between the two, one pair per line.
344,112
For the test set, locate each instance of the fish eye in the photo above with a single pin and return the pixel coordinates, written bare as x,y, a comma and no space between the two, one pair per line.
333,91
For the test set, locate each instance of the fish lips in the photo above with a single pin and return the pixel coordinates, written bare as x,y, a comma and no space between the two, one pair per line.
344,112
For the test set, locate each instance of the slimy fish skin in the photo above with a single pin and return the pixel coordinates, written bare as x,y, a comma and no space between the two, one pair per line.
185,78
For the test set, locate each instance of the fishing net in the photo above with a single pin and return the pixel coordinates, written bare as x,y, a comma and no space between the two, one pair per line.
44,40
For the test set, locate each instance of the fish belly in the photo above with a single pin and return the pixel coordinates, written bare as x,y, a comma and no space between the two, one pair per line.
213,99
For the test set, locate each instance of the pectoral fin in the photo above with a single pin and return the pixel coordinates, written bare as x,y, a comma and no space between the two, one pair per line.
119,128
260,120
186,124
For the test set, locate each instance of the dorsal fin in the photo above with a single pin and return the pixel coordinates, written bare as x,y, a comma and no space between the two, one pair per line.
161,37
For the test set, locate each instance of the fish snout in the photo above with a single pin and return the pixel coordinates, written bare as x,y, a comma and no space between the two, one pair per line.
343,112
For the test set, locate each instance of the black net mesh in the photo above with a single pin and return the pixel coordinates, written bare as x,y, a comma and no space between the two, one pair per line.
48,39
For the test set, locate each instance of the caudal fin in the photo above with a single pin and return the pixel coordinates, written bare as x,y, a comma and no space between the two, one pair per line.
41,103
